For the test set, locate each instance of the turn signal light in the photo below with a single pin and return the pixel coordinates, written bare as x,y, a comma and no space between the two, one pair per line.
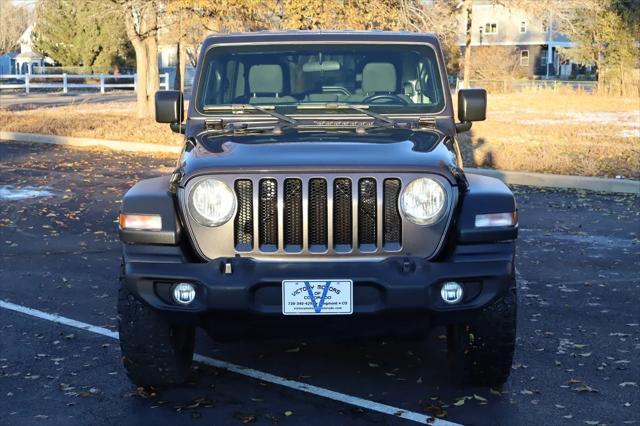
496,219
141,222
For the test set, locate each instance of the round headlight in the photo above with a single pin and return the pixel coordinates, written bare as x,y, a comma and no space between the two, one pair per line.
423,201
211,202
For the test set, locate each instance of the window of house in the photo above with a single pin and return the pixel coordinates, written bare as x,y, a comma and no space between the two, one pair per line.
524,58
491,28
523,26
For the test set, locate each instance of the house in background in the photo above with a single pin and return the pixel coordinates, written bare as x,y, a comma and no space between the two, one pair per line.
7,63
536,40
25,59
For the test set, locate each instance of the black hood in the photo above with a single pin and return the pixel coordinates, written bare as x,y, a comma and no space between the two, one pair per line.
385,150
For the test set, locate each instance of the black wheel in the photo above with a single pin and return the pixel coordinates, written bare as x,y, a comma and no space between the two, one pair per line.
481,352
154,352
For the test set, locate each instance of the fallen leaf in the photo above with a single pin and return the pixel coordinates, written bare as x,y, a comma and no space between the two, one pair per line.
435,411
584,388
245,418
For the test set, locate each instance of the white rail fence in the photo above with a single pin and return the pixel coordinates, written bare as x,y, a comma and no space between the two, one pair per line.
509,86
101,82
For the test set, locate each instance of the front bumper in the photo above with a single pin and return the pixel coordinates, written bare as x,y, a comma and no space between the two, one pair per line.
396,285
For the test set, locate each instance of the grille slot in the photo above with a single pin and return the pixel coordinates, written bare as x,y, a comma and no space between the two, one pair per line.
392,223
293,214
317,214
268,213
342,214
367,218
243,224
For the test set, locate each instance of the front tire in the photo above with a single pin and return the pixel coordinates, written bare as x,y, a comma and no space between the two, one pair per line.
154,352
481,352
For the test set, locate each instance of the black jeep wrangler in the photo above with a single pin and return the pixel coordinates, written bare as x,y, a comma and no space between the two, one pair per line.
320,189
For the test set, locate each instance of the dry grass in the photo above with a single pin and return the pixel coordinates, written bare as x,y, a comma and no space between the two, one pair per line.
116,121
563,132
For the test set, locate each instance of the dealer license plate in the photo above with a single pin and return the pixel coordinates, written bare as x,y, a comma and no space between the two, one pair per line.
317,297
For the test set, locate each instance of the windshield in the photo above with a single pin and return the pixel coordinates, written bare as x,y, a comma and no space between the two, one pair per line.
386,78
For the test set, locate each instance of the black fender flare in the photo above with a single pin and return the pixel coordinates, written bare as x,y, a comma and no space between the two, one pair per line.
485,195
152,196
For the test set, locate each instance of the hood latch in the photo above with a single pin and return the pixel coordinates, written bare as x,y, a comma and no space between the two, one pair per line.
213,124
427,122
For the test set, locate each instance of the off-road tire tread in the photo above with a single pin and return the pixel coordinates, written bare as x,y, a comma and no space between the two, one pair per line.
145,341
488,343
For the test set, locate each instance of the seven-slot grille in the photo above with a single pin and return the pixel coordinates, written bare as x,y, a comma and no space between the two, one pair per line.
315,215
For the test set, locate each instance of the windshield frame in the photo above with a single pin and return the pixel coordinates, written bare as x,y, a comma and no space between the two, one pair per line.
198,87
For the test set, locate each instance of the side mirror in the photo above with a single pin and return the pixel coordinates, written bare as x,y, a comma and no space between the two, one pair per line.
472,106
169,106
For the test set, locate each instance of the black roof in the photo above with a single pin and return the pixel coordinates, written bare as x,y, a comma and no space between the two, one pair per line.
321,36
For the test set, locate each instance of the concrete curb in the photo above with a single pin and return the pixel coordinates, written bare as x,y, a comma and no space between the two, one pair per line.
88,142
626,186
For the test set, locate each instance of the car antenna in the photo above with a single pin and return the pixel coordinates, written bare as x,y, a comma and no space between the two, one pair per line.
178,71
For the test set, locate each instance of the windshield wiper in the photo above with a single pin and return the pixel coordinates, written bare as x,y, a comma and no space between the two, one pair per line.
245,107
356,107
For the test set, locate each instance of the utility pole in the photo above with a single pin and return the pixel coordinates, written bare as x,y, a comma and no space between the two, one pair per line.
468,8
549,43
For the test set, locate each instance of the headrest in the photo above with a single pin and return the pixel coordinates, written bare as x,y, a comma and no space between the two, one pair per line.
378,77
265,78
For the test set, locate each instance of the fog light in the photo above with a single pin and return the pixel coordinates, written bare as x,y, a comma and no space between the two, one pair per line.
451,292
184,293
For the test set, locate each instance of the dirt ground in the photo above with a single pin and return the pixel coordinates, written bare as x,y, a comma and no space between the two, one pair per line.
561,132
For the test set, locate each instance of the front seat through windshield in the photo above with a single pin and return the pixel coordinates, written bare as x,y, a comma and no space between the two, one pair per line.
387,78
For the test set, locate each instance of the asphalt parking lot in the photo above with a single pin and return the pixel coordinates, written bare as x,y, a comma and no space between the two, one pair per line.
577,358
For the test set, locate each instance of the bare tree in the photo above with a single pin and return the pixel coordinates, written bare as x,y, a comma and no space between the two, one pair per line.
495,63
15,20
141,23
443,17
439,17
468,10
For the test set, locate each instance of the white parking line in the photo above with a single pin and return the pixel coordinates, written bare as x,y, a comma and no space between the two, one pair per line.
249,372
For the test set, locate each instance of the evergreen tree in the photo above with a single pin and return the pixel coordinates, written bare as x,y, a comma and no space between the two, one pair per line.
87,33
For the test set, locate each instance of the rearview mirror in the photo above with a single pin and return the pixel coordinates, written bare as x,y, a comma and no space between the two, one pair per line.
321,66
169,106
472,105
